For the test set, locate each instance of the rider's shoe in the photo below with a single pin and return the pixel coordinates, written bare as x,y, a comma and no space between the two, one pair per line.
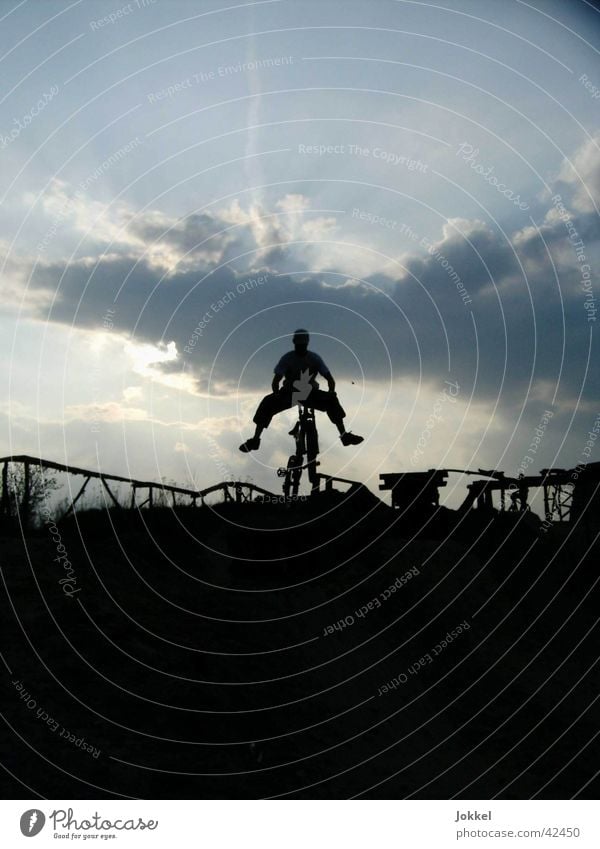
351,439
252,444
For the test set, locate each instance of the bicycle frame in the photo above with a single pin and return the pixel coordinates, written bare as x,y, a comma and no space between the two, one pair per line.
307,445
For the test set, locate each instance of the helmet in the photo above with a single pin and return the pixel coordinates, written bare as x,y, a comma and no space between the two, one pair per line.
301,337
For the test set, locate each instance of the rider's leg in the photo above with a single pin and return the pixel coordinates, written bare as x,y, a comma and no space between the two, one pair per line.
328,402
340,426
271,404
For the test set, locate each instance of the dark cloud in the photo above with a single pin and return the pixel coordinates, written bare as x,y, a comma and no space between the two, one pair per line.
485,308
196,237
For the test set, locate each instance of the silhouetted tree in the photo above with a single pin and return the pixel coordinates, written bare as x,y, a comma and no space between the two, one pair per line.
25,489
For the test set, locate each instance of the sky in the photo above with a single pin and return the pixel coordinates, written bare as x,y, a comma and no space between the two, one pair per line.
185,183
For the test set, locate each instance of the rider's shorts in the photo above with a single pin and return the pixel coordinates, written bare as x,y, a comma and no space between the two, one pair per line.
276,402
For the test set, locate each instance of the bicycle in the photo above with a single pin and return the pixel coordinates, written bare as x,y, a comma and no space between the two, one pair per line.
307,444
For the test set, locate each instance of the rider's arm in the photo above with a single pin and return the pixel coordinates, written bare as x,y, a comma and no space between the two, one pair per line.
323,370
279,373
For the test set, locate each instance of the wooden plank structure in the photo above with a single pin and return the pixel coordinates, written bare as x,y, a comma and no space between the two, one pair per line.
567,492
414,490
231,491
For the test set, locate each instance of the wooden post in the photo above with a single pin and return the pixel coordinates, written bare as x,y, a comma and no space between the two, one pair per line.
76,499
25,502
4,504
108,489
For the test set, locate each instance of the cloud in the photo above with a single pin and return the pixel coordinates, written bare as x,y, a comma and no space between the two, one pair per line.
14,293
206,303
583,173
200,240
110,411
132,393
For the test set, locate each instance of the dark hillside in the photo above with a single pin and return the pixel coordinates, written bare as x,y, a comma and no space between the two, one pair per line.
317,650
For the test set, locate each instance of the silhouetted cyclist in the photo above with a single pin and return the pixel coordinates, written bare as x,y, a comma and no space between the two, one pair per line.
299,369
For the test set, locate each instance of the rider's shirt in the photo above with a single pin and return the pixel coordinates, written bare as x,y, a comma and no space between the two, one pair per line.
292,365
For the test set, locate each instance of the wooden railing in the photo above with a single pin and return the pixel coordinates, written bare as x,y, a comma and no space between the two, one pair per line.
238,491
